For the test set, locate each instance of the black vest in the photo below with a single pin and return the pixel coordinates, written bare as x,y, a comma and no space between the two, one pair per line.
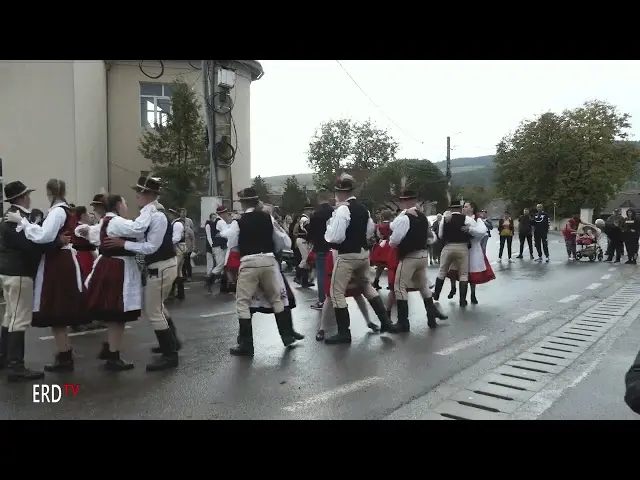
218,240
166,250
416,237
256,234
451,232
356,235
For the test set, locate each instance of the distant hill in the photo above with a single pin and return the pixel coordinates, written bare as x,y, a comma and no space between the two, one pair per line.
466,171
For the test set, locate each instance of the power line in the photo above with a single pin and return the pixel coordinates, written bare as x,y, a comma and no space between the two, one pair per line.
377,106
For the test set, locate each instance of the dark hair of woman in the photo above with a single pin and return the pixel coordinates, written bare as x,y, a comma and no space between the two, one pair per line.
474,208
294,222
111,202
387,215
57,189
79,211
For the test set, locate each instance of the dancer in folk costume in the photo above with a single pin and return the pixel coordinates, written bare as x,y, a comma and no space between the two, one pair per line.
260,304
228,282
114,287
85,250
409,237
19,260
161,268
480,270
349,230
328,318
304,246
454,232
216,244
257,241
178,238
59,300
380,252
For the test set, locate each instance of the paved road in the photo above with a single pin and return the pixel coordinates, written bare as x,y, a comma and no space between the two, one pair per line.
375,377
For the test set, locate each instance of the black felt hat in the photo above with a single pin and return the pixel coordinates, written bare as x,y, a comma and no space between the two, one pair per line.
308,206
173,210
13,190
248,194
147,184
344,183
455,205
98,199
408,194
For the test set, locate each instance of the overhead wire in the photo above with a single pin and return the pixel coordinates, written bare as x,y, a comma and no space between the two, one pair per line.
378,106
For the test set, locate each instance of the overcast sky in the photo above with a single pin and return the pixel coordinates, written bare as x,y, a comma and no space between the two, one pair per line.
474,102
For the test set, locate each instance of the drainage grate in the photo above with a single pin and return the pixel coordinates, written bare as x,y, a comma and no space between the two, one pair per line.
501,392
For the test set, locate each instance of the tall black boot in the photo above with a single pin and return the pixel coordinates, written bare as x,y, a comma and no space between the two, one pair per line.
296,279
169,358
463,293
438,289
4,342
245,339
15,360
304,278
172,327
284,321
453,291
344,323
180,288
381,312
63,363
433,312
403,325
104,351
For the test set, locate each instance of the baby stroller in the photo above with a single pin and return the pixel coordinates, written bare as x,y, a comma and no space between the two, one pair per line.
588,243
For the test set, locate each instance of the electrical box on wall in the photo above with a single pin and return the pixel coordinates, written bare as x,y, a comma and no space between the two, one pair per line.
226,78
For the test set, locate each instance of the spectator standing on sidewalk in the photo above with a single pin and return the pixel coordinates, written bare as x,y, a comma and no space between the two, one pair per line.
569,233
541,224
505,228
315,232
613,229
630,235
525,232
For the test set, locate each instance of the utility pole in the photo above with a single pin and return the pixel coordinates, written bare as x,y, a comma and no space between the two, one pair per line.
448,174
208,79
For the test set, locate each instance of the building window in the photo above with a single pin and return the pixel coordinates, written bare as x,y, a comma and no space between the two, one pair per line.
155,103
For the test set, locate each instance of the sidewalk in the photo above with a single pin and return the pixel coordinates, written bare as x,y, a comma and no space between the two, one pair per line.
600,396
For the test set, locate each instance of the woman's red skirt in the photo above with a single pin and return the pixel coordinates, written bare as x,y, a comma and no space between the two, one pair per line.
476,278
85,259
351,291
61,303
233,262
311,259
104,294
392,267
380,254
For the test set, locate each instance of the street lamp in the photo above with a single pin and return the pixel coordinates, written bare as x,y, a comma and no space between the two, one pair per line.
555,225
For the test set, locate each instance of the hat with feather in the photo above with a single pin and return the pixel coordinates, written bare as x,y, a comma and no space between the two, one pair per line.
147,184
344,183
404,190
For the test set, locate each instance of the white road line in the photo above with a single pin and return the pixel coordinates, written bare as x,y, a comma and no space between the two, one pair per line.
593,286
605,277
612,269
77,334
461,345
218,314
531,316
570,298
332,394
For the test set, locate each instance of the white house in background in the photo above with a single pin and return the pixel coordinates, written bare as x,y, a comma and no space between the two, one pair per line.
81,121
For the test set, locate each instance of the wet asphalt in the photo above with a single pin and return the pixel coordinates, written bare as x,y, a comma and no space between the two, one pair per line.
371,379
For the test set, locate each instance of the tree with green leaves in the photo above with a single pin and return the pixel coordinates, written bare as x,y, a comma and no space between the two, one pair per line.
480,195
261,187
344,144
294,196
178,151
577,158
420,175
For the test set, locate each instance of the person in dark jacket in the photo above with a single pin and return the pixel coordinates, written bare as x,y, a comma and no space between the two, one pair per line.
630,235
541,224
525,232
19,260
613,230
632,383
505,229
315,233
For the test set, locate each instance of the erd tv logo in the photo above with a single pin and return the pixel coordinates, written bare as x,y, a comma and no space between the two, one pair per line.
43,393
